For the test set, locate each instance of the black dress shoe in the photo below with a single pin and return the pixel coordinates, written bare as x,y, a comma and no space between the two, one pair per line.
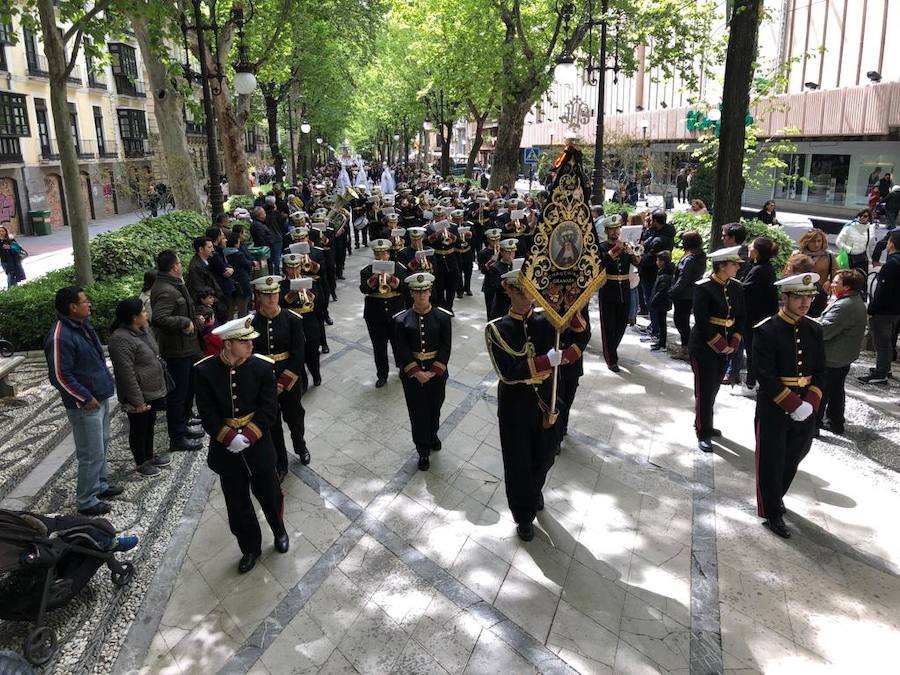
186,445
380,382
715,433
326,349
782,509
282,543
281,474
334,297
111,491
98,509
194,422
525,531
656,347
778,527
437,446
469,293
329,321
459,296
304,456
317,382
247,562
705,445
195,433
424,463
833,428
614,367
540,502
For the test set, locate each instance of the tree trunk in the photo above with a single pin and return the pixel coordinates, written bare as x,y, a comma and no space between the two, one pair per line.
476,144
168,105
445,148
274,147
68,159
739,66
510,122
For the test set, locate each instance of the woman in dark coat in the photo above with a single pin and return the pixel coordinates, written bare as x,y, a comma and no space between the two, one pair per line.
760,297
689,271
11,257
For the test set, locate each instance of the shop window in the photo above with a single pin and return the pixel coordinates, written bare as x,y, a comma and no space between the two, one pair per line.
828,175
789,181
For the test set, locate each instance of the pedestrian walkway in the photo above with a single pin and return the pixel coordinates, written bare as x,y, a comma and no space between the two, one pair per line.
54,251
648,558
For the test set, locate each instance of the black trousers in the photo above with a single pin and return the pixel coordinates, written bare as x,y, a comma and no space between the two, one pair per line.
242,519
364,231
613,321
683,319
181,400
330,273
709,369
312,331
340,254
423,402
140,432
488,302
567,387
380,335
781,444
750,380
464,261
446,279
291,410
834,397
681,194
528,453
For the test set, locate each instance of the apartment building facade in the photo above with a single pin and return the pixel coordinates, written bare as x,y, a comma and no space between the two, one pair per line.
842,97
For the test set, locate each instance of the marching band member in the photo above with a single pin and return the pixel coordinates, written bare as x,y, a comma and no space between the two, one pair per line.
615,295
494,278
465,254
383,300
300,298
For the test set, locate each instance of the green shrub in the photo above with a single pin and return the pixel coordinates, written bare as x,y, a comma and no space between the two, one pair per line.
611,208
27,312
242,201
703,186
684,221
133,248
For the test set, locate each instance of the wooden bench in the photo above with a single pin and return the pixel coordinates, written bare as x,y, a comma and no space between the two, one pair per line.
7,368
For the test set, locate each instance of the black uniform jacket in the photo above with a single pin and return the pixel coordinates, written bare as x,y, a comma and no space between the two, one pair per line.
617,288
422,341
282,340
719,315
240,400
518,346
789,361
378,304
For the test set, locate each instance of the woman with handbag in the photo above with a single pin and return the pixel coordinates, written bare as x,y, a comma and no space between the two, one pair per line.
11,256
141,381
853,240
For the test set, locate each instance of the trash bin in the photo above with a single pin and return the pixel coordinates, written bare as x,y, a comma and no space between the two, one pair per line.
261,255
40,223
668,201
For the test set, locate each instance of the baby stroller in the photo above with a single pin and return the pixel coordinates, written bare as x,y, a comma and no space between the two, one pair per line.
45,561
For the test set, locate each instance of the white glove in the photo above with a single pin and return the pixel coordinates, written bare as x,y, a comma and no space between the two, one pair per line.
801,413
554,357
239,443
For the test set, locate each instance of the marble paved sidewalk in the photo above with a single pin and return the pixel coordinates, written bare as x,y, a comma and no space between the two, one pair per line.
648,558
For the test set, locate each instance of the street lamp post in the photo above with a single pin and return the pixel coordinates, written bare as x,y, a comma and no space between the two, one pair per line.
291,137
644,126
244,83
427,126
305,128
397,146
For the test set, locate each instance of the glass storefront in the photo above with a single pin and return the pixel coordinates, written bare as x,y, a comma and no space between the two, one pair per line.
828,175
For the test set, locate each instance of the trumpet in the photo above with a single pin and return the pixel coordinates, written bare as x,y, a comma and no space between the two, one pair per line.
445,236
633,249
305,300
383,286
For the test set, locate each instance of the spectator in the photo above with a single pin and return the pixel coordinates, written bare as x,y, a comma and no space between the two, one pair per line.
760,298
239,259
140,381
275,224
174,322
885,184
660,302
659,236
212,344
884,311
259,233
735,234
689,271
77,368
149,280
814,245
681,185
767,213
201,278
11,254
854,238
223,273
843,327
698,208
892,206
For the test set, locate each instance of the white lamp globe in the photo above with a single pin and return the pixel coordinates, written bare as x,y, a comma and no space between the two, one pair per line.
566,73
714,115
427,125
319,141
305,128
244,83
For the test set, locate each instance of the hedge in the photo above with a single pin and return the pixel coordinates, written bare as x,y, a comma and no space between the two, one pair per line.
119,261
684,221
243,201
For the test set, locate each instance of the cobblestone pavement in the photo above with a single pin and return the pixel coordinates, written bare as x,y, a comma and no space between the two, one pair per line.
649,556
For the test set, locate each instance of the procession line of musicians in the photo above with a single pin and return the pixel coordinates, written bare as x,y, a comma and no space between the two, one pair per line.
272,357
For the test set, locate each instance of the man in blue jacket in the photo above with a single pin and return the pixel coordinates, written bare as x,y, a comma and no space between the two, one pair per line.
78,370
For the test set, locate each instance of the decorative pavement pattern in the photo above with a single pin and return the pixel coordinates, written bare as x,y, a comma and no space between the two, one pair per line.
648,558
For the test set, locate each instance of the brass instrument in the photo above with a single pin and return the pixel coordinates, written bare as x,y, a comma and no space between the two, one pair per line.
445,236
305,265
305,300
384,287
633,249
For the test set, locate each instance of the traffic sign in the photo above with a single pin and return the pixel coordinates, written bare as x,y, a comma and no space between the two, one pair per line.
531,155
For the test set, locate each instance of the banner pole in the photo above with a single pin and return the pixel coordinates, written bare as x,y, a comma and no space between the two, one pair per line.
553,413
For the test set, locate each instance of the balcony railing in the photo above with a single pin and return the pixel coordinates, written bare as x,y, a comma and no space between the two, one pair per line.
75,76
49,149
10,150
37,65
195,128
86,149
127,87
109,150
136,147
96,80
